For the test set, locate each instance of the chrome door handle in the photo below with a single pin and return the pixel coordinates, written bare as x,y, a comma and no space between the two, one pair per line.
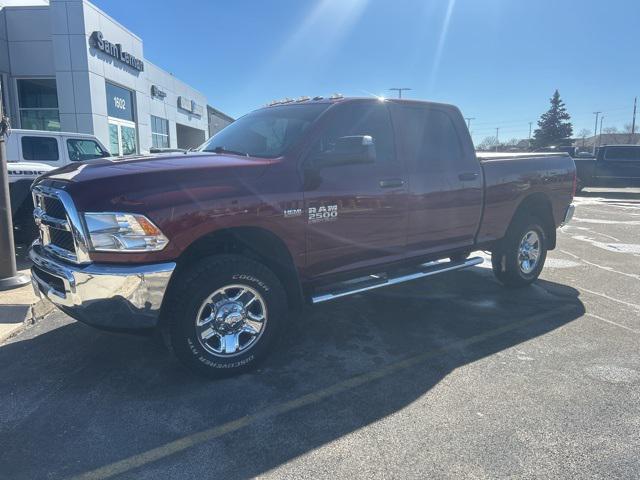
391,183
468,176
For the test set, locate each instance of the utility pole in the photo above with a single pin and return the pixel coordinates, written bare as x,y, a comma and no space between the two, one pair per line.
600,137
530,123
468,119
595,131
633,122
497,137
9,277
400,90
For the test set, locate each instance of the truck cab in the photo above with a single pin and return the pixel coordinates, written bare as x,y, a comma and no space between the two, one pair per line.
613,166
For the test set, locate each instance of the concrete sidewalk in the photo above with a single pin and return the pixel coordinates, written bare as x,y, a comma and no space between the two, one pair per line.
20,307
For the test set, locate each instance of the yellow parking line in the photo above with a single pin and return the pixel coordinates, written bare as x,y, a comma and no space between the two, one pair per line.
203,436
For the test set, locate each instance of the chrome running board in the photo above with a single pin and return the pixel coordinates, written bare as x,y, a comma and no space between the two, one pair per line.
372,282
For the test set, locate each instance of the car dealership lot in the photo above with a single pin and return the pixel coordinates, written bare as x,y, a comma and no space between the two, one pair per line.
450,376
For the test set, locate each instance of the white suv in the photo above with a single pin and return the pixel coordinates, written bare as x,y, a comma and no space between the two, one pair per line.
31,153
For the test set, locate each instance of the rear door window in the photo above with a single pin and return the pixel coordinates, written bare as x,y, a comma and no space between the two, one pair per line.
429,138
623,154
40,149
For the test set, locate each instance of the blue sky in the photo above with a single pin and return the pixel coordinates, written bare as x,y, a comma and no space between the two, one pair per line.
498,60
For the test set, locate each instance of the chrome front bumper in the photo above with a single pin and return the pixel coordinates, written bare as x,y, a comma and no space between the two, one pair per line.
568,215
106,296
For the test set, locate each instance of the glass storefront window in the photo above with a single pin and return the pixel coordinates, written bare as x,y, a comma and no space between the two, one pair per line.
159,132
129,146
114,141
38,104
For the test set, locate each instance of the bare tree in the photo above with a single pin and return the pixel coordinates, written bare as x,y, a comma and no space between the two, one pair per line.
583,134
610,130
627,128
488,143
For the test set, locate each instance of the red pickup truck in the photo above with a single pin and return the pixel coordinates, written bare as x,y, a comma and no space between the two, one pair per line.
296,203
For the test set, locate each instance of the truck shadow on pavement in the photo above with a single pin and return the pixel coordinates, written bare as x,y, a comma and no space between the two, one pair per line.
75,399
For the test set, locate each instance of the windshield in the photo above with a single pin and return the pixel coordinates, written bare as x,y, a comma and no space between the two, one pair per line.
267,132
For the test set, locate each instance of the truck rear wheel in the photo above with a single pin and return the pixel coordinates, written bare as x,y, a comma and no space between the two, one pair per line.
225,315
520,257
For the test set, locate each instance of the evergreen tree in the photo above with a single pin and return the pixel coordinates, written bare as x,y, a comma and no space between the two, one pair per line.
554,126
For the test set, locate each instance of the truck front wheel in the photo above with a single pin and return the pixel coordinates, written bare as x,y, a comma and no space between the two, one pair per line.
519,258
224,315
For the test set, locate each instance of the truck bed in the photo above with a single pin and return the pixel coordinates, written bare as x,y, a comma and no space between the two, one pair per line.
488,156
509,178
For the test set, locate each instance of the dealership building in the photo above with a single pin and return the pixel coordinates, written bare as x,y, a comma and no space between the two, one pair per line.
66,65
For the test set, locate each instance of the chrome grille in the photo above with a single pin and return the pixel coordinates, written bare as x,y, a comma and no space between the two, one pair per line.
61,232
54,208
62,239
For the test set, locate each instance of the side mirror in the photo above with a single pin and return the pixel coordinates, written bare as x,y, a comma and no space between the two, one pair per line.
350,150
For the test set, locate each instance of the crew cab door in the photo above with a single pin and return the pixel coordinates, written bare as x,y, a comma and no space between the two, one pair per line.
445,178
618,165
355,191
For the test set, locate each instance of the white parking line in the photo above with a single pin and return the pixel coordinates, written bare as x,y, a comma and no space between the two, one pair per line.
611,322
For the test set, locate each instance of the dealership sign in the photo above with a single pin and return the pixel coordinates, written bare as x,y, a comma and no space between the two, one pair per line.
189,105
115,50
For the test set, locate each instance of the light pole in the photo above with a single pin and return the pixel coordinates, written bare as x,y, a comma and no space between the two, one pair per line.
400,90
633,122
468,119
595,131
9,276
530,123
497,137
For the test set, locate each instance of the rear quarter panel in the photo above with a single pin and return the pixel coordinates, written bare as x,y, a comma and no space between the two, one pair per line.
585,169
510,180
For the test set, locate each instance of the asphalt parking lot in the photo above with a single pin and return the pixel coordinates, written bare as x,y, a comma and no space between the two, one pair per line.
449,377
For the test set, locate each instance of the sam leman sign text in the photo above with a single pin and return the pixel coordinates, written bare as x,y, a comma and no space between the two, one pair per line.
115,50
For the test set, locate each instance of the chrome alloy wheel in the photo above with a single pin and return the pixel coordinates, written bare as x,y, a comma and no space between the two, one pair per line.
231,320
529,252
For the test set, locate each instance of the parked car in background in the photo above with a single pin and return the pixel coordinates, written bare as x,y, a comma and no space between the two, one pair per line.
612,166
572,151
31,153
300,202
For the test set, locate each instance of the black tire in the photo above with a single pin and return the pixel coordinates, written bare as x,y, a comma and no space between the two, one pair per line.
505,257
189,292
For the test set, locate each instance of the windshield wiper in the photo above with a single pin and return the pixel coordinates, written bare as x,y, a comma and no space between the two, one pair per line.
226,150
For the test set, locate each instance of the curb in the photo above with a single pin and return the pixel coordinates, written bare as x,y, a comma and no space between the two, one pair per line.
35,312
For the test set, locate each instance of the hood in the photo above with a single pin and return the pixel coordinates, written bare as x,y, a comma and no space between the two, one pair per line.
137,184
194,163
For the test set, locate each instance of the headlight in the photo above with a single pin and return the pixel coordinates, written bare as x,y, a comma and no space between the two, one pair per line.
123,232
